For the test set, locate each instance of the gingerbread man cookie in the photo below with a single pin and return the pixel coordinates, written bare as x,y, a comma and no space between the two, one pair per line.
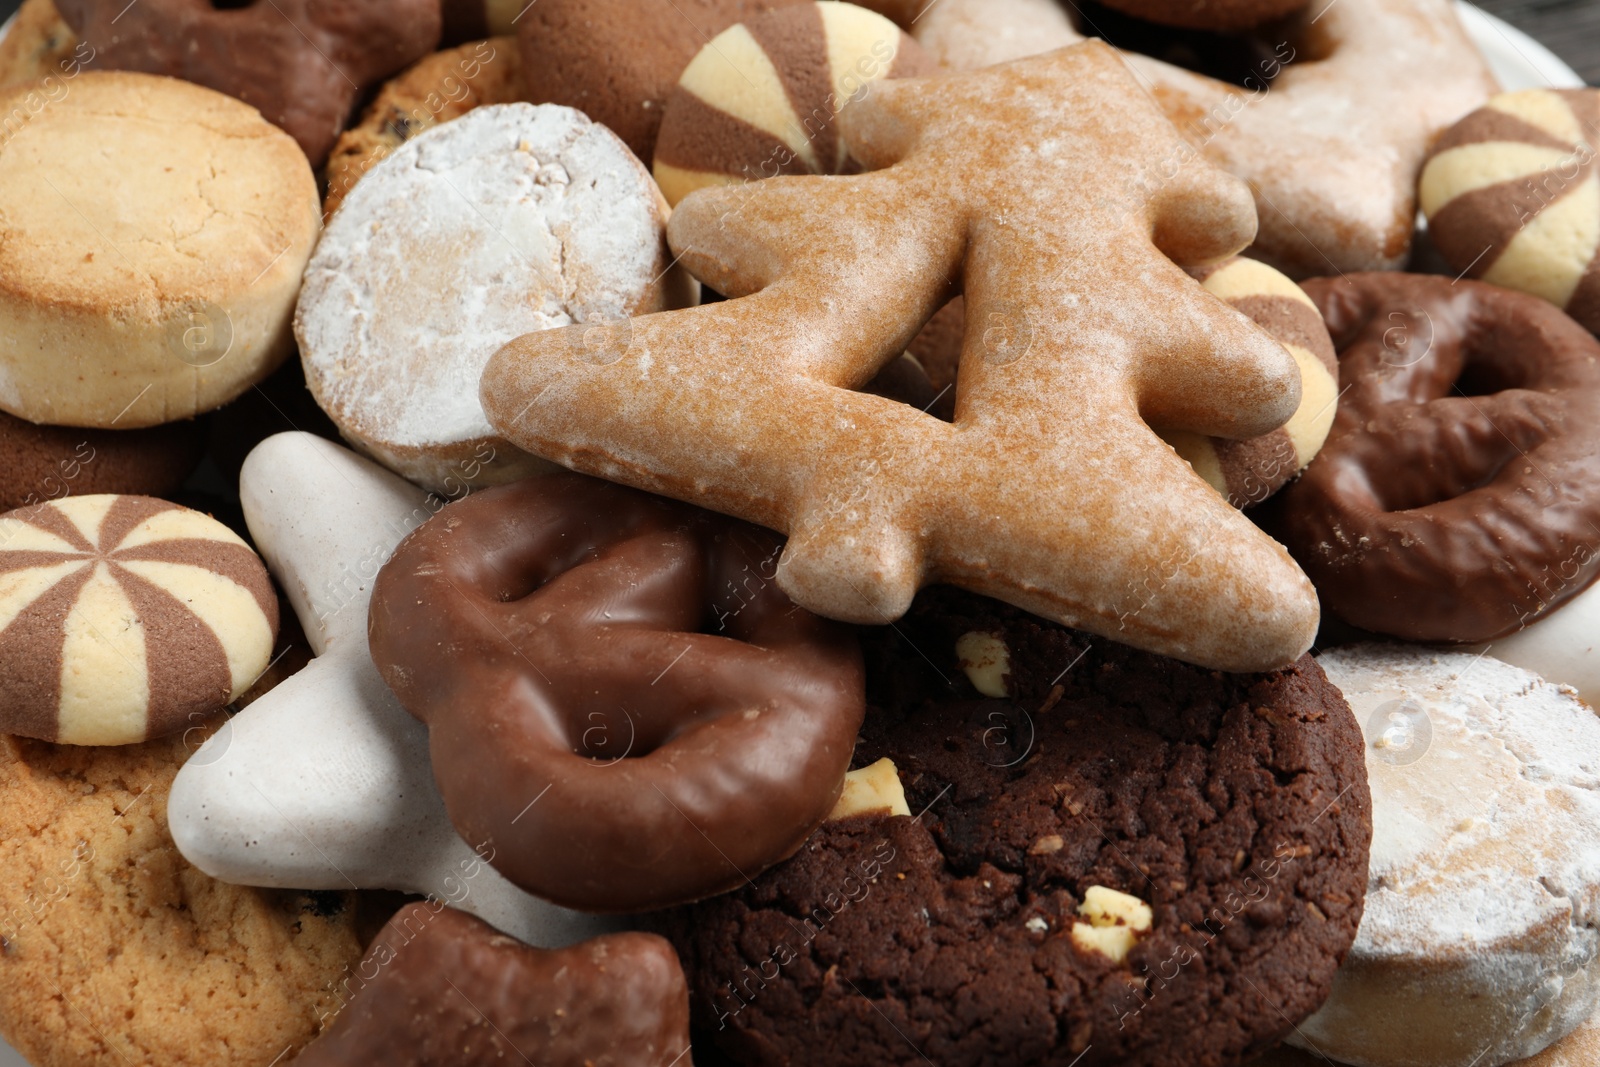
1048,490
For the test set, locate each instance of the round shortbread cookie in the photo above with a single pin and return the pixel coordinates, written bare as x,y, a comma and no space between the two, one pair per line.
122,617
508,220
1479,942
115,952
762,98
152,235
438,88
1512,196
1248,472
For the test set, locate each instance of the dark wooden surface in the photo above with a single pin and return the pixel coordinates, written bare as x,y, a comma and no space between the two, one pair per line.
1569,28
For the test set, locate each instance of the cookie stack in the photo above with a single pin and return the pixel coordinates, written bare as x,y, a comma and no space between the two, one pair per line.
830,533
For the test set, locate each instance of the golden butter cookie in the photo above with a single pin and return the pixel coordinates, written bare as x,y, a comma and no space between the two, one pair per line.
152,237
115,951
40,44
438,88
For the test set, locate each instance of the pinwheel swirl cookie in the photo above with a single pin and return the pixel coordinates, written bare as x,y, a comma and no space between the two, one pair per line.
122,617
1248,472
1512,196
1358,90
1049,490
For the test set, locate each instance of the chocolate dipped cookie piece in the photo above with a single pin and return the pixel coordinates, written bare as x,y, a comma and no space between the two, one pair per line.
439,988
303,64
617,693
1458,495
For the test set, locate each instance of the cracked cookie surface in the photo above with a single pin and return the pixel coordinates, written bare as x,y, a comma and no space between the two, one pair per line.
114,951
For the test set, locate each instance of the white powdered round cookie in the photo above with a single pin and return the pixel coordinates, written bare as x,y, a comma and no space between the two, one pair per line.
1479,943
511,219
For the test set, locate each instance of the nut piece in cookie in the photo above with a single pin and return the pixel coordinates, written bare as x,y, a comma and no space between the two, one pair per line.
1512,196
510,219
1478,944
1049,490
1128,862
115,952
441,987
874,790
123,617
152,237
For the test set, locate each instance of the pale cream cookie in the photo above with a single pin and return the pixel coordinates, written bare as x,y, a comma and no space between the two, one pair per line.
152,237
1480,943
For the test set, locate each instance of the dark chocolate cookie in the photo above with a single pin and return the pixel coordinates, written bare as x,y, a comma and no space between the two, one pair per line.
1235,806
49,462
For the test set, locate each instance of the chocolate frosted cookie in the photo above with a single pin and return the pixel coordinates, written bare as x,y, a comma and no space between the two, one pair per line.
1115,858
441,987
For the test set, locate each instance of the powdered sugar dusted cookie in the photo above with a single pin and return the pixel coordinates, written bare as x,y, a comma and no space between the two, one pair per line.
123,616
1479,943
510,219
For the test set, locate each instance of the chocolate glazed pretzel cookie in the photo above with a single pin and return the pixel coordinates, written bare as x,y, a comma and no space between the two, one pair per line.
617,693
1458,495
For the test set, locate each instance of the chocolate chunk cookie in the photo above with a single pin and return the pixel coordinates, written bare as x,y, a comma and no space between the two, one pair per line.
1120,860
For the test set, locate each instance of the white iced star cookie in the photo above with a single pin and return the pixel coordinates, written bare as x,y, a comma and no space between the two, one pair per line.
325,783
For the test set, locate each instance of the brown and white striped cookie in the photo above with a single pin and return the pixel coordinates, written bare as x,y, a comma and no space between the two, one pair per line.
760,99
123,616
1248,472
1512,196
